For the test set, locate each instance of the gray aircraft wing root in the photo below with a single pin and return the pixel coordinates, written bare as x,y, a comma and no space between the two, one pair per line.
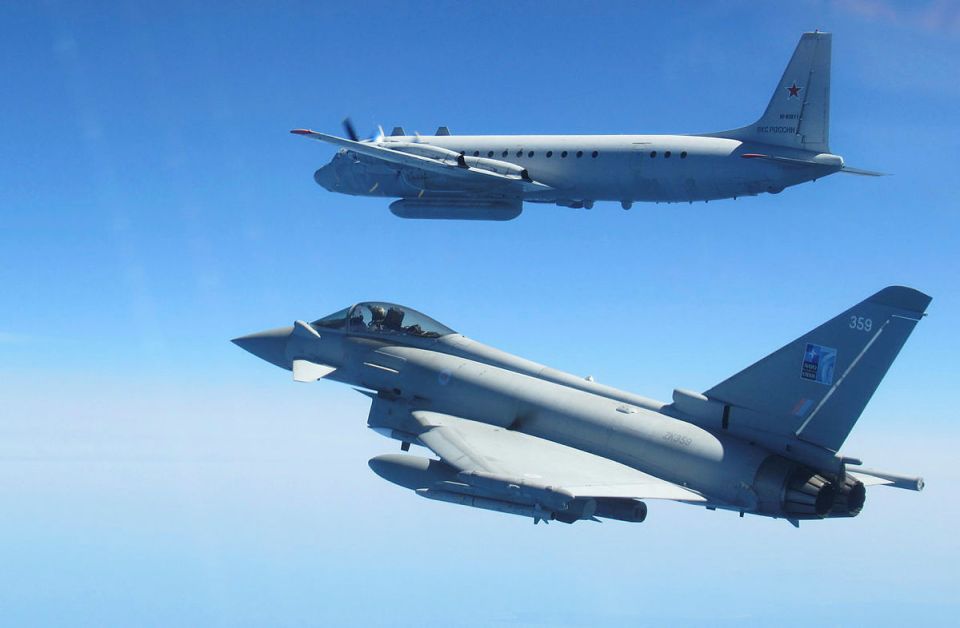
489,457
428,164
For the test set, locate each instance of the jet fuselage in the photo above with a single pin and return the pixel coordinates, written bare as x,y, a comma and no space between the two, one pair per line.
584,417
412,372
515,436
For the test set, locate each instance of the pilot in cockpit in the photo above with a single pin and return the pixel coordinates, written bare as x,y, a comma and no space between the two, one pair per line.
356,321
394,319
383,318
378,316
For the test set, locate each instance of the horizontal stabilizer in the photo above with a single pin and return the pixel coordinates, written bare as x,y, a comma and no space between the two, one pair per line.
822,161
863,173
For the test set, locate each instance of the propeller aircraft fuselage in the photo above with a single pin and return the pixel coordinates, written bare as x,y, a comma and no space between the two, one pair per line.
489,177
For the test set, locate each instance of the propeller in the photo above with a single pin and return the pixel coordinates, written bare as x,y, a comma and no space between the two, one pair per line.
352,132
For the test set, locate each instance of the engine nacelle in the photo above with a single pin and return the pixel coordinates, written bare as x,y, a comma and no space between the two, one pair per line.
424,150
464,161
495,165
787,489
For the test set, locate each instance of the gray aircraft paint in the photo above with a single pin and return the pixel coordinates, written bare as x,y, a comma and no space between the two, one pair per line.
516,436
488,177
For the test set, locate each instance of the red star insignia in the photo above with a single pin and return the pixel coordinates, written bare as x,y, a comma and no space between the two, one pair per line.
794,90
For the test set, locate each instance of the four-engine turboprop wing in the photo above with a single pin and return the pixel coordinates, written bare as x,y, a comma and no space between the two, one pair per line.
491,456
448,167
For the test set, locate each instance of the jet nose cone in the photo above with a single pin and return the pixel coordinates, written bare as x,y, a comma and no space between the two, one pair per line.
270,345
326,177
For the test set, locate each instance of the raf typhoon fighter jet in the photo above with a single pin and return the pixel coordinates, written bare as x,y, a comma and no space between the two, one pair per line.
489,177
514,436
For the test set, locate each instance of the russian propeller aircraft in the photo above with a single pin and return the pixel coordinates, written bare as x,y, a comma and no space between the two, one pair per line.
514,436
489,177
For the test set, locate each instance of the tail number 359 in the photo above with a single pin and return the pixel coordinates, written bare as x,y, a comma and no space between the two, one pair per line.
860,323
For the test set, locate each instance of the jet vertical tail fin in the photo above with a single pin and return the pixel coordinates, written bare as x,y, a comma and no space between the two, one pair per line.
816,387
798,114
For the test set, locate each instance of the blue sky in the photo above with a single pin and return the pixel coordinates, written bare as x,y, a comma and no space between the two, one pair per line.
154,206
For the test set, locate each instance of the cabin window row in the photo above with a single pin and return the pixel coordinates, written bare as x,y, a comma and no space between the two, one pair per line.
563,154
549,153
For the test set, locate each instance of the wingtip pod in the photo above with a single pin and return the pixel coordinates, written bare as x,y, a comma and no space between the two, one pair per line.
903,298
301,131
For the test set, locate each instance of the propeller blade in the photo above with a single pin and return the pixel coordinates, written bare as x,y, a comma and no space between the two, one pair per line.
351,132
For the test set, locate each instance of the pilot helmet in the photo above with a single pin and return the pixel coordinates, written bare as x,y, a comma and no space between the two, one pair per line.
378,313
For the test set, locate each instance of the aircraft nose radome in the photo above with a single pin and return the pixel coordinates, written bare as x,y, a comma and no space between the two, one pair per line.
326,177
270,345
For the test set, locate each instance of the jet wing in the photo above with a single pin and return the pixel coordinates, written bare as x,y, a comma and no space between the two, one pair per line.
409,160
487,455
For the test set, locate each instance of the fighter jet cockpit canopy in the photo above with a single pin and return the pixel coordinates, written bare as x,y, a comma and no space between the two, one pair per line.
378,318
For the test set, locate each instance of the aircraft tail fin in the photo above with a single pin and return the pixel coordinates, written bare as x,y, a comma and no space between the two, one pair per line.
798,114
816,387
